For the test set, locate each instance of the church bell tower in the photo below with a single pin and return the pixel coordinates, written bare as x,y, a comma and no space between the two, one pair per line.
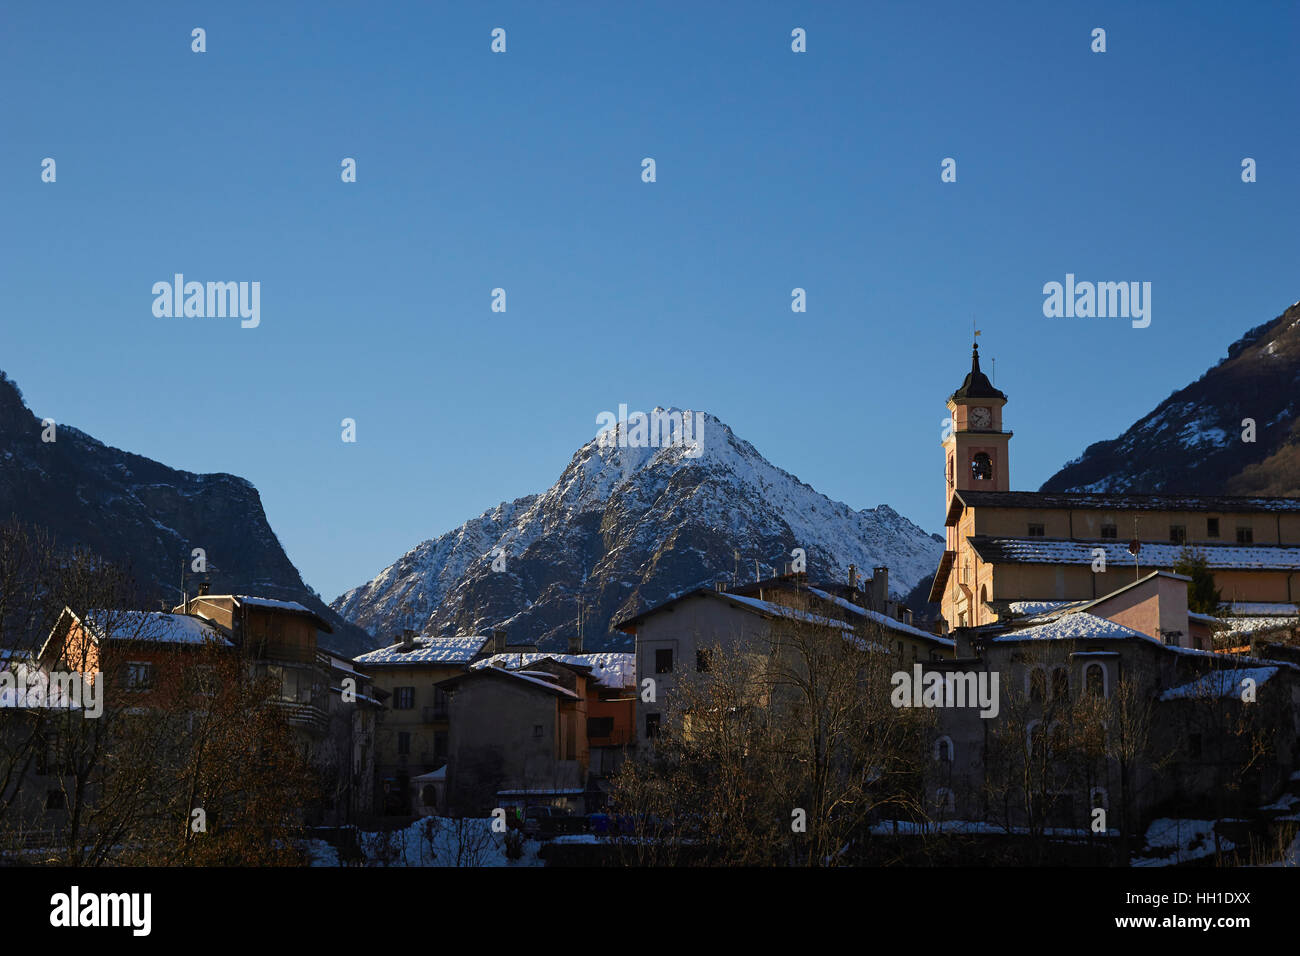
975,446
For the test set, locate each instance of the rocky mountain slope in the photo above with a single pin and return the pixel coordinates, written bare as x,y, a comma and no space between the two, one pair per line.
137,512
1192,441
624,528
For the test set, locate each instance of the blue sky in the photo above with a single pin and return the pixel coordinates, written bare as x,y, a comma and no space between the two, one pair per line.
522,171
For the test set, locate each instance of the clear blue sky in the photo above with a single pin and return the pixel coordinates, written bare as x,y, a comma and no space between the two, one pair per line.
522,170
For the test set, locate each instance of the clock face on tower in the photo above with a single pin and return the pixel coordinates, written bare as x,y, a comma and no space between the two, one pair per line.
980,417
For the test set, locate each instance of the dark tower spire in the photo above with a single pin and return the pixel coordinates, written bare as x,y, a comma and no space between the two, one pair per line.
977,384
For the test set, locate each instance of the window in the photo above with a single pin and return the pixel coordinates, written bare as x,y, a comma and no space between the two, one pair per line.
137,675
1037,684
1057,738
1177,534
202,680
1245,535
943,750
1100,799
1094,679
1211,527
664,661
1194,746
439,744
599,727
1035,531
703,658
1034,739
538,730
403,742
403,698
1060,684
944,801
54,800
981,467
1109,531
651,726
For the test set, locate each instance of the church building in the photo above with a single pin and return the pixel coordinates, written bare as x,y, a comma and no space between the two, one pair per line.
1015,552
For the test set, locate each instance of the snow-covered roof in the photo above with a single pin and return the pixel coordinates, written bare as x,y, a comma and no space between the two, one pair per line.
155,626
544,680
427,650
884,620
1080,625
1032,608
537,679
271,603
611,669
1218,684
1248,626
1076,501
781,610
1059,551
1262,609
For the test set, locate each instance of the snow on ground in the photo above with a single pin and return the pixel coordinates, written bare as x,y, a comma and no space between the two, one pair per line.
432,841
1170,841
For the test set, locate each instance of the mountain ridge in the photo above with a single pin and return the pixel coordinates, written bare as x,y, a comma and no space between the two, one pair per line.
138,512
1192,442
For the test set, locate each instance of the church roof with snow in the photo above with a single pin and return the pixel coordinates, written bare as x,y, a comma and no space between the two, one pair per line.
993,550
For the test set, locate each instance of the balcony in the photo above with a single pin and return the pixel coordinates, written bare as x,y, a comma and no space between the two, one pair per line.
306,716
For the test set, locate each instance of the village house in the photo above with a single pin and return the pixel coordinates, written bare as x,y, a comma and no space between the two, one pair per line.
140,652
611,708
412,739
278,640
682,633
518,737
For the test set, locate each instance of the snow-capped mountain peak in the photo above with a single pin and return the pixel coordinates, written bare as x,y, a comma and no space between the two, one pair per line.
640,512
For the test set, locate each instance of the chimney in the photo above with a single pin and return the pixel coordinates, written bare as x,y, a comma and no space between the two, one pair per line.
203,588
498,640
575,643
853,576
408,638
880,589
